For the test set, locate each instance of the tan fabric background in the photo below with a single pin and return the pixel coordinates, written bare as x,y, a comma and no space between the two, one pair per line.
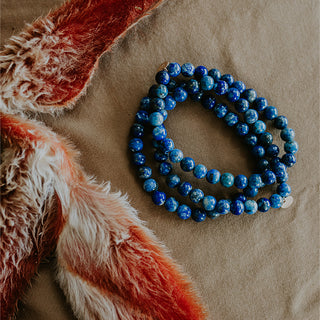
264,266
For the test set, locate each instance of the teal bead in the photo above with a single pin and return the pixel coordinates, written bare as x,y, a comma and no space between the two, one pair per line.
144,172
198,215
259,127
171,204
156,119
250,207
209,203
196,195
150,185
213,176
161,91
175,155
287,134
200,171
276,201
227,180
184,212
187,164
291,147
206,83
173,180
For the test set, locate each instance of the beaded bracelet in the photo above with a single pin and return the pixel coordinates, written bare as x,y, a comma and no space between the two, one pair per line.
201,85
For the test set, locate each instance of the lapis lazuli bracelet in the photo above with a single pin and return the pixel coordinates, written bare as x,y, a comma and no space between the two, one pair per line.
175,84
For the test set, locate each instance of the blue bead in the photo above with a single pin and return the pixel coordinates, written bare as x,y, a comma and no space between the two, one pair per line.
258,151
173,180
227,180
208,101
279,169
137,130
288,159
291,147
145,103
222,207
215,74
159,198
268,177
287,134
174,69
160,91
138,159
184,212
196,195
283,178
156,119
250,207
228,78
265,138
276,201
200,72
251,139
187,164
251,116
192,86
260,103
220,110
242,105
239,85
187,69
150,185
196,96
280,122
274,161
162,77
160,156
283,189
142,117
159,133
171,85
231,119
198,215
237,207
166,145
259,127
180,94
209,203
240,181
233,94
144,172
175,155
250,95
262,165
250,192
164,114
171,204
221,87
165,168
270,112
212,214
152,90
272,150
213,176
135,145
263,204
200,171
255,181
170,103
240,197
157,104
184,188
206,83
242,129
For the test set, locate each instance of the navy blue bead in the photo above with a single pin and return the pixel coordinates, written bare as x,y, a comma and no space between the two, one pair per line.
206,83
187,164
283,178
268,177
170,103
145,103
240,197
237,207
288,159
187,69
251,116
260,103
239,85
184,188
221,87
249,94
159,198
259,127
144,172
198,215
279,169
208,101
220,110
165,168
184,212
150,185
166,145
192,86
263,204
137,130
272,150
251,139
196,195
212,214
250,192
135,145
152,91
291,147
196,96
215,74
240,181
142,117
162,77
228,78
242,105
171,204
258,151
242,129
274,161
280,122
173,180
231,119
283,189
222,207
157,104
176,155
270,112
174,69
265,138
160,156
287,134
213,176
227,180
250,207
262,165
209,203
200,72
180,94
171,85
276,201
233,94
138,159
255,181
159,133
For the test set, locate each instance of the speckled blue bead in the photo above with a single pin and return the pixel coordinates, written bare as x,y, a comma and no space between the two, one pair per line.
206,83
272,150
166,145
291,147
184,188
200,72
270,112
142,117
249,94
260,103
187,69
268,177
280,122
251,139
187,164
220,110
171,204
258,151
135,145
239,196
222,207
162,77
173,180
265,138
276,201
215,74
200,171
156,119
250,192
160,91
171,85
233,94
192,86
159,133
175,155
283,189
242,105
240,181
144,172
137,130
209,203
138,159
263,204
196,195
165,168
242,129
198,215
237,207
213,176
283,178
208,101
174,69
231,119
255,181
170,103
212,214
157,104
196,96
287,134
239,85
145,103
159,198
164,114
180,94
251,116
150,185
160,156
221,87
259,127
228,78
184,212
288,159
279,169
227,180
262,165
250,207
274,161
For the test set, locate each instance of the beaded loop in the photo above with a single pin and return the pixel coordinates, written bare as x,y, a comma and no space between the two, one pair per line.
249,122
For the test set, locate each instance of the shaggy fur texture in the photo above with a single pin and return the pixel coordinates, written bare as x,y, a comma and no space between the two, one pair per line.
109,265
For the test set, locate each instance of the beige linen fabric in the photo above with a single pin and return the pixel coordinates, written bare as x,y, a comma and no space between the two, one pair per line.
264,266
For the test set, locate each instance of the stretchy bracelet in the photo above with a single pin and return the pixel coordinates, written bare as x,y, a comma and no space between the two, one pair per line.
248,119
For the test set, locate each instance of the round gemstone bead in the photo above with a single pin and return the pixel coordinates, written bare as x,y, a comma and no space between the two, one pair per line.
206,83
162,77
144,172
160,91
288,159
166,145
251,139
198,215
164,114
222,207
242,105
213,176
250,207
196,96
180,94
209,203
196,195
200,171
251,116
150,185
192,86
268,177
227,180
259,127
137,130
283,178
260,103
240,197
231,119
274,161
184,212
175,155
262,165
287,134
258,151
237,207
160,156
173,180
228,78
270,112
283,189
135,145
239,85
174,69
159,198
250,192
291,147
156,119
145,103
187,69
171,85
165,168
265,138
242,129
263,204
184,188
139,159
249,94
208,101
157,104
200,72
170,103
212,214
142,117
255,181
171,204
159,133
220,110
233,94
240,181
272,150
187,164
276,201
221,87
279,169
280,122
215,74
